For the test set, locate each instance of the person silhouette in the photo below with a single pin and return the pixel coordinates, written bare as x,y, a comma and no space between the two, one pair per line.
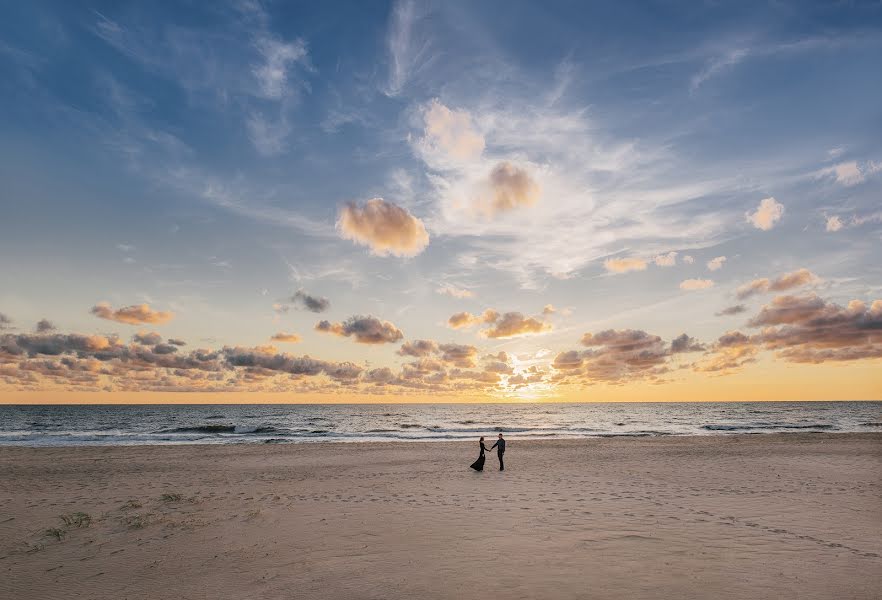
478,465
500,450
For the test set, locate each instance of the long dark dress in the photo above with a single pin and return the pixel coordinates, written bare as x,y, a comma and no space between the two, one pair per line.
478,465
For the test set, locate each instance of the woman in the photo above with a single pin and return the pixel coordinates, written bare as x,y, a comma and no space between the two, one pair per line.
478,465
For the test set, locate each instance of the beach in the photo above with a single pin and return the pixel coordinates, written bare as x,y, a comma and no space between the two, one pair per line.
738,516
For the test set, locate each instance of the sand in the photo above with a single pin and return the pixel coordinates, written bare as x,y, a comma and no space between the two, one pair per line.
770,516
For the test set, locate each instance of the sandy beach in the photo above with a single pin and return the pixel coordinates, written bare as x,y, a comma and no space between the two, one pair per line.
753,516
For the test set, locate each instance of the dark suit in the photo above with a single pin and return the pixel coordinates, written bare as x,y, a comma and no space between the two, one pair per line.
500,450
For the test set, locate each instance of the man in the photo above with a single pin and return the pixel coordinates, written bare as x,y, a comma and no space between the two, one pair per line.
500,446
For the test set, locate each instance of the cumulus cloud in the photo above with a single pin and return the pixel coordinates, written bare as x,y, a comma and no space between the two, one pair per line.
460,355
464,319
147,338
696,284
510,324
508,187
782,283
418,348
623,265
5,322
45,326
549,309
666,260
311,303
138,314
513,324
451,133
834,223
732,310
365,330
804,329
715,264
453,291
615,356
288,338
767,214
688,259
383,227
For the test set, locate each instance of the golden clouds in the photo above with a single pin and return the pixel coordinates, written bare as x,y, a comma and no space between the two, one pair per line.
385,228
623,265
137,314
782,283
506,325
696,284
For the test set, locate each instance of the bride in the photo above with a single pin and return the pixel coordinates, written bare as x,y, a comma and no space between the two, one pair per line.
478,465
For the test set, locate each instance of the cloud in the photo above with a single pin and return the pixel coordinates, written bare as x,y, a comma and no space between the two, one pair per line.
311,303
782,283
451,133
513,324
850,173
804,329
453,291
666,260
137,314
684,343
696,284
467,319
407,50
715,264
460,355
767,214
713,67
507,188
147,338
418,348
383,227
365,330
45,326
272,74
732,310
623,265
288,338
616,356
688,259
548,309
5,322
834,223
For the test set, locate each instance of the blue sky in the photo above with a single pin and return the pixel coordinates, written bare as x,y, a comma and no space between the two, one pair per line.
200,158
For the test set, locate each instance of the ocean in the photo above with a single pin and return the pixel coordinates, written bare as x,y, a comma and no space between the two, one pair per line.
291,423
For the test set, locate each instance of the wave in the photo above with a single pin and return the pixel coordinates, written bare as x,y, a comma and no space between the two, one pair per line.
240,429
765,426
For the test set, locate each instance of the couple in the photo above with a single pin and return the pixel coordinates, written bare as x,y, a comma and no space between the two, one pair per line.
478,465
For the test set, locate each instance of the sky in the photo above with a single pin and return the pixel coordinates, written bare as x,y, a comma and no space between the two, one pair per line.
246,201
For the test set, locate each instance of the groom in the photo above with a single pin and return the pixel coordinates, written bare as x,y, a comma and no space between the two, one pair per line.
500,445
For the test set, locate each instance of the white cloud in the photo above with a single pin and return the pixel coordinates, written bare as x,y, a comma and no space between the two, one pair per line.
715,264
623,265
767,214
450,133
834,223
454,292
729,59
688,259
407,50
667,260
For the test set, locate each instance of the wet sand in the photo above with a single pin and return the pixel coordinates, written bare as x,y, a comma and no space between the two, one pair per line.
749,516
